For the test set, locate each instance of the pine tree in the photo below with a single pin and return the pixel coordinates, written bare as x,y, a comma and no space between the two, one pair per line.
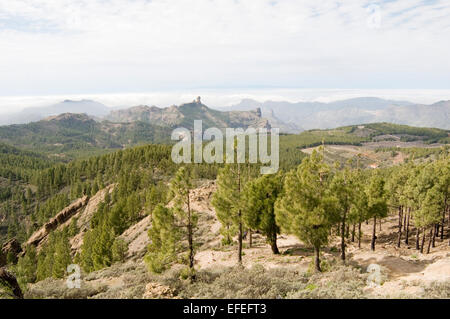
119,250
61,257
377,205
26,267
227,201
307,208
359,211
164,238
395,188
101,250
342,186
185,217
259,197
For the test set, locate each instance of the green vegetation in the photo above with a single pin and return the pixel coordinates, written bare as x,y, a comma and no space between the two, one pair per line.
228,202
172,225
76,135
259,200
313,200
307,207
358,134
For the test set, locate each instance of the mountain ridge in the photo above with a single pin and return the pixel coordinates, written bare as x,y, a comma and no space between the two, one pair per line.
185,115
319,115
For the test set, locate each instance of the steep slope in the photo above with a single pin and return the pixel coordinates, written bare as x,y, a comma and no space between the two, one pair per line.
81,209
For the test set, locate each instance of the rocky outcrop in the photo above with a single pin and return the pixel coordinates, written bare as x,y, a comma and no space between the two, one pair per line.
137,239
9,282
154,290
12,246
185,114
84,217
59,219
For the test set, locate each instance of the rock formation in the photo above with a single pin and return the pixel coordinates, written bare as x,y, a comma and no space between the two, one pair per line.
9,281
12,246
59,219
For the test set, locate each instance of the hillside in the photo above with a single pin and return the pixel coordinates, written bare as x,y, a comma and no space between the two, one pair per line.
377,144
406,274
74,135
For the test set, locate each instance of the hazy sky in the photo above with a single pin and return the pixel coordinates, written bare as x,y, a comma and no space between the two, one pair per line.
57,47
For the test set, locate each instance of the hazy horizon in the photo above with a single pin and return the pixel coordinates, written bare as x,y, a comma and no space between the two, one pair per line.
222,98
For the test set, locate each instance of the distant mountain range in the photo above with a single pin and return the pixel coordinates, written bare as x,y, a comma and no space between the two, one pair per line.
68,133
316,115
289,117
33,114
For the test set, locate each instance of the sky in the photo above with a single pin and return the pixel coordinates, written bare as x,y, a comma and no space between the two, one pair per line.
125,47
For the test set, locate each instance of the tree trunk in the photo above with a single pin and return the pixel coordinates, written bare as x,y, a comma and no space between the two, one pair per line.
250,238
273,244
436,231
417,238
343,236
317,259
240,220
404,219
359,235
443,223
190,241
379,222
400,218
407,227
240,240
424,235
432,231
374,236
353,233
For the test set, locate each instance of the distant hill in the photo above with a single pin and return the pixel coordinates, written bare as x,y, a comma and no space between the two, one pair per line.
33,114
78,134
185,114
18,164
317,115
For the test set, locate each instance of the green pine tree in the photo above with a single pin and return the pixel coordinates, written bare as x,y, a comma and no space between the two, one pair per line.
307,207
259,197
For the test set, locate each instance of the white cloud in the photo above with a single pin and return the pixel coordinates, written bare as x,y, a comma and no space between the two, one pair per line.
78,46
